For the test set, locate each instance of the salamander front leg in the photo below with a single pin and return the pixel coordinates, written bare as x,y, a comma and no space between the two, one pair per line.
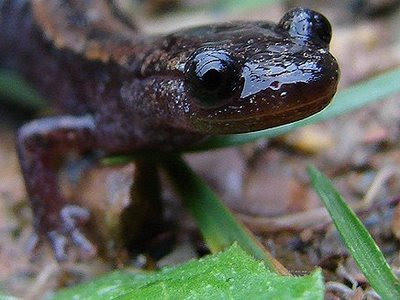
41,144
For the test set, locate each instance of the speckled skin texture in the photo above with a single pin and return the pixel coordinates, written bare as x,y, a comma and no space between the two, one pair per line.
119,91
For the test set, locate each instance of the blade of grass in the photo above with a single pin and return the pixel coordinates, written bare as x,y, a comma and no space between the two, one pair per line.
231,274
217,224
6,297
228,6
16,91
237,6
352,98
358,241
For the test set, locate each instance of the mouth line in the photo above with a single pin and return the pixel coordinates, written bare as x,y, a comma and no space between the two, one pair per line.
263,115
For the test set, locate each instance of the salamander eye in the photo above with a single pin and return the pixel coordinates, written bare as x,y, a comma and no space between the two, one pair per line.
211,77
306,24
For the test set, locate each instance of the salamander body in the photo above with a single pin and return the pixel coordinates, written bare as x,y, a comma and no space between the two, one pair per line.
118,91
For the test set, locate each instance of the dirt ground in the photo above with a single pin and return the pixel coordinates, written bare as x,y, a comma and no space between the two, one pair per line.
265,183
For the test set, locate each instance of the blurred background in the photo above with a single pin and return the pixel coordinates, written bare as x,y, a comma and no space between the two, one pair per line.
264,182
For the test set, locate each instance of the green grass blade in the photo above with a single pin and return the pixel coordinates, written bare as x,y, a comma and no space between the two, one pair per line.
358,241
16,91
229,6
352,98
234,5
6,297
217,224
232,274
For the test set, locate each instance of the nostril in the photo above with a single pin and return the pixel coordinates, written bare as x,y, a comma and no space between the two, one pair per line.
275,85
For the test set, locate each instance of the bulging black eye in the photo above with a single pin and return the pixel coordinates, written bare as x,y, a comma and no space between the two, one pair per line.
307,24
211,76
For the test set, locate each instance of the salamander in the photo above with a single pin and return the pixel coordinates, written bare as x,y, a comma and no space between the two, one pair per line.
118,91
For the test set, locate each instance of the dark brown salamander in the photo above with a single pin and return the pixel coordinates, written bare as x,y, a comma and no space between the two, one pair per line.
122,91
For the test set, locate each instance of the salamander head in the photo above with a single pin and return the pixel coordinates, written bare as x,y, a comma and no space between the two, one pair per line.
252,76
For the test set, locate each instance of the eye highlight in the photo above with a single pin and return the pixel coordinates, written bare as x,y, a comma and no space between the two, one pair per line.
211,77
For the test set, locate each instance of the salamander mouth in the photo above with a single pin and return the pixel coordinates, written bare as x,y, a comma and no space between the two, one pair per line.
262,120
317,102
